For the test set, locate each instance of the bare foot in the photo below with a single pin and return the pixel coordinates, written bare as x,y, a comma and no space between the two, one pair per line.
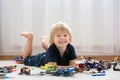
27,34
44,42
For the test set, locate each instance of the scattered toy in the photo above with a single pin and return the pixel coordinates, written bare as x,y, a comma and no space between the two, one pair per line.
116,67
49,65
2,76
25,71
102,73
70,71
105,65
51,69
82,67
42,73
19,59
8,69
88,64
99,74
116,59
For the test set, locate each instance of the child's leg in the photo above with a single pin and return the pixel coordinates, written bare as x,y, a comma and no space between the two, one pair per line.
44,42
28,48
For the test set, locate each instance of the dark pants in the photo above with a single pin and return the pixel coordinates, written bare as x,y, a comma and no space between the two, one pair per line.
35,60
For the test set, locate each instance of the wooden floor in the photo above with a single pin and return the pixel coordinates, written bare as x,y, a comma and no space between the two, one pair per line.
7,57
95,57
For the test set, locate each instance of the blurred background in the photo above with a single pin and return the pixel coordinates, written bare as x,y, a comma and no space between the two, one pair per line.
95,24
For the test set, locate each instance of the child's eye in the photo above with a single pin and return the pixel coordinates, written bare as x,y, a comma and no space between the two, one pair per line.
65,35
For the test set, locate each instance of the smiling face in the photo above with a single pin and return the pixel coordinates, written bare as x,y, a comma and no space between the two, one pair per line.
60,35
60,31
61,39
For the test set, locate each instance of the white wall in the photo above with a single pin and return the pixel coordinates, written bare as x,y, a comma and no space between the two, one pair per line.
92,23
0,30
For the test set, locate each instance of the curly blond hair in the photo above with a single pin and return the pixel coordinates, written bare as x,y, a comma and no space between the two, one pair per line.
59,26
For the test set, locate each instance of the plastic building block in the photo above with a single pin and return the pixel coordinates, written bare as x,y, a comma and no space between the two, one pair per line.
42,73
2,76
8,69
19,59
100,74
65,72
88,64
25,71
116,67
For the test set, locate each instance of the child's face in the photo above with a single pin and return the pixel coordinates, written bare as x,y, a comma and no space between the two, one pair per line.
61,39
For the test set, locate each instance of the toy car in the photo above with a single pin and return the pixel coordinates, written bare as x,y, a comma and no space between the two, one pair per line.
42,73
105,65
116,67
82,67
19,59
25,71
7,69
65,72
88,64
50,69
2,76
49,65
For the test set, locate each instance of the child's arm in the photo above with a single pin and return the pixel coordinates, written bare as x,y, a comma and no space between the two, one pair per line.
72,62
57,66
64,67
